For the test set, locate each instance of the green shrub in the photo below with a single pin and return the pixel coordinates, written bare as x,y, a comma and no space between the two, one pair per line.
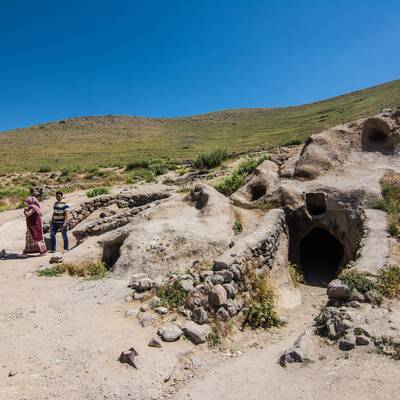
137,164
389,281
171,295
237,178
158,169
213,339
92,269
50,272
211,159
97,191
138,174
237,227
358,280
44,168
260,311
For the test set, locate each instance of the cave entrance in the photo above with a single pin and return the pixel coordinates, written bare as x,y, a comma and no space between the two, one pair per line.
320,257
376,137
257,191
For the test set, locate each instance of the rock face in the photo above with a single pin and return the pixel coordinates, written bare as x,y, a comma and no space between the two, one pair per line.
169,237
262,182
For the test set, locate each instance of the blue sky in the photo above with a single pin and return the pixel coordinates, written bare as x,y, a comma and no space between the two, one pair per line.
68,58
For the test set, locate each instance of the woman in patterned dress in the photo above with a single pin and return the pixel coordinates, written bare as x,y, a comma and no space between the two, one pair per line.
34,242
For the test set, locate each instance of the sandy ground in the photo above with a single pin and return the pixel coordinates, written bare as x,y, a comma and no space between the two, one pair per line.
62,337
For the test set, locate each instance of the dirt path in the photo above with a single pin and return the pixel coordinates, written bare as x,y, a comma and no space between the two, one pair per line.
62,337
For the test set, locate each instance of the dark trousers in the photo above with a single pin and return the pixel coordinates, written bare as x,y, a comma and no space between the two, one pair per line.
55,227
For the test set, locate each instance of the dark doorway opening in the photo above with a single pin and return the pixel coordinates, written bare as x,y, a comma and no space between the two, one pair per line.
320,257
258,191
376,138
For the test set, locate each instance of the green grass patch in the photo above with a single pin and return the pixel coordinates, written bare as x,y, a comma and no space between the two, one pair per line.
237,178
293,142
237,227
86,269
211,159
97,191
12,198
361,281
171,295
51,272
44,168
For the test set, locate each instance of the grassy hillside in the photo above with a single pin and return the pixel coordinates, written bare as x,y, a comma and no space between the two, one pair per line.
116,140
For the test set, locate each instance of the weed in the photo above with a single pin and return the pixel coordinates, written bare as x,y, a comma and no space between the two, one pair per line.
137,164
171,295
358,280
264,205
97,191
237,227
260,309
211,159
296,274
389,281
85,269
214,339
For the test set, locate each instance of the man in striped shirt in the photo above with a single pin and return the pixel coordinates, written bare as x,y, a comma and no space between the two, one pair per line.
59,222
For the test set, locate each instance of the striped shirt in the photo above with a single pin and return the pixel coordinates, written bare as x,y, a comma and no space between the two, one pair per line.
60,210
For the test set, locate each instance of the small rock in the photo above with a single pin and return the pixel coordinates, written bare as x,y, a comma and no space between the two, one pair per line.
129,313
128,357
12,373
197,334
362,341
154,302
217,279
186,284
230,290
136,278
217,296
170,333
226,274
373,297
154,342
55,260
338,290
144,308
222,314
354,304
200,315
139,296
348,342
357,296
161,310
146,319
300,351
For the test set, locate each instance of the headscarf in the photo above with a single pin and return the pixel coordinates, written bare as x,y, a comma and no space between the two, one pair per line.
32,202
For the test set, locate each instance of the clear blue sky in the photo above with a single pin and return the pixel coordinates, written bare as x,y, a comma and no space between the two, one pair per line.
64,58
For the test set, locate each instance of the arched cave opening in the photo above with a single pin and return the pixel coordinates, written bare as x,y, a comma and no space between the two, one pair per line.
376,138
320,257
111,250
257,191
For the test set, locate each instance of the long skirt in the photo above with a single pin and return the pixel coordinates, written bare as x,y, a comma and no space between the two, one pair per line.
34,246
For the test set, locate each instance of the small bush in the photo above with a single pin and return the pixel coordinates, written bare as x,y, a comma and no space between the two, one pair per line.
296,274
237,178
138,174
211,159
50,272
260,308
213,339
171,295
158,169
389,281
237,227
97,191
137,164
358,280
44,168
265,205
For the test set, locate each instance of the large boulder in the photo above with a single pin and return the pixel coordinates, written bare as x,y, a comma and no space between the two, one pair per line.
173,235
261,183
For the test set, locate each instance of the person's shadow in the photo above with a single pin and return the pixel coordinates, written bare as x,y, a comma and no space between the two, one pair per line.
15,256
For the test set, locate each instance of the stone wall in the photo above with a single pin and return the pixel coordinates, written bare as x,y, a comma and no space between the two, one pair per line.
122,200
